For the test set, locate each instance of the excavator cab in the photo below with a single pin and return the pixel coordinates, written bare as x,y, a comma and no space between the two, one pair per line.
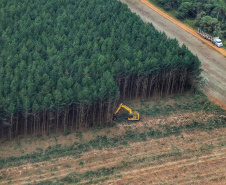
132,115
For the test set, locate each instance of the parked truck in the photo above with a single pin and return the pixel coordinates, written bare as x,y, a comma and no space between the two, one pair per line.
215,40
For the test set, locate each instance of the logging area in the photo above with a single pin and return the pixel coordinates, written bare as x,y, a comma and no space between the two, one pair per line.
65,65
180,139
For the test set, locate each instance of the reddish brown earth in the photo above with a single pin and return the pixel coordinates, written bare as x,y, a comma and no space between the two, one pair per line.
194,157
202,158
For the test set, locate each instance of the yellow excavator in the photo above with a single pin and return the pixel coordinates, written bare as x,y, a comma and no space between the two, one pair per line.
132,115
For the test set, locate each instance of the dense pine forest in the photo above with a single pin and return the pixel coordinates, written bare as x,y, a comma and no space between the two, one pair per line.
64,64
210,15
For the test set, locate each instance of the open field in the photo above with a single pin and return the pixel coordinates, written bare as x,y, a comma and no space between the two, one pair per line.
178,140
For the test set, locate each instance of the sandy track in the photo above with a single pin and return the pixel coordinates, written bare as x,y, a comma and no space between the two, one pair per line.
213,63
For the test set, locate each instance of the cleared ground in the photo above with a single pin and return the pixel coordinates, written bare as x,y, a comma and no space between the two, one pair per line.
180,140
197,158
170,145
213,63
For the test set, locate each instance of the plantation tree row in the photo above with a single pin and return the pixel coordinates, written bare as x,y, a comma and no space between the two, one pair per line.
210,15
65,64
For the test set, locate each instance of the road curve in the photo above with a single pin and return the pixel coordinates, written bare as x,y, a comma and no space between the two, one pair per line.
213,62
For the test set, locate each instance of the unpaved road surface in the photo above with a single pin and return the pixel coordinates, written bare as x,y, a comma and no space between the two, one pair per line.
213,63
194,157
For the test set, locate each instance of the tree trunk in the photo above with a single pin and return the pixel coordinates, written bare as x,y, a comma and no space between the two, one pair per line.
73,116
100,112
124,87
94,114
57,119
17,122
144,88
108,111
65,116
11,126
137,85
34,115
25,126
131,87
77,117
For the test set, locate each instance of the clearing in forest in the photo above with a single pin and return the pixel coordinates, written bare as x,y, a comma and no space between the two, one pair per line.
179,139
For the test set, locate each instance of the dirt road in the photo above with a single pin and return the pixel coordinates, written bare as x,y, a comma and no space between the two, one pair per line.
213,63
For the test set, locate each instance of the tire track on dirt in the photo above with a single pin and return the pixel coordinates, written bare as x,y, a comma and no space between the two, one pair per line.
110,162
130,174
150,144
207,178
170,166
111,157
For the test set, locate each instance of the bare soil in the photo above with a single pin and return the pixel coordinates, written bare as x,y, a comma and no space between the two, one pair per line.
213,62
196,157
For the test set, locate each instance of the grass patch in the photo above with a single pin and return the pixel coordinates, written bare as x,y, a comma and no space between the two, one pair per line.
177,104
81,163
182,103
89,176
102,174
104,142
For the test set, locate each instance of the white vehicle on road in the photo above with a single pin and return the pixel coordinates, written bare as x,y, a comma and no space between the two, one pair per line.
215,40
218,42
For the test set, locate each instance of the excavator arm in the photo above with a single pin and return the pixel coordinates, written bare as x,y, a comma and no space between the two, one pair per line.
125,107
132,115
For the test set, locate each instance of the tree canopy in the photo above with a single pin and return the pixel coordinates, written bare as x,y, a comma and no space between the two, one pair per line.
210,15
67,53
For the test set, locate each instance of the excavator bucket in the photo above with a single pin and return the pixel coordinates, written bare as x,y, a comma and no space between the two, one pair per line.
114,117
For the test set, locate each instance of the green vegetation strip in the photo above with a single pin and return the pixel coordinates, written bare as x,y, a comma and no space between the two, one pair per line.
104,142
89,176
162,107
103,174
181,103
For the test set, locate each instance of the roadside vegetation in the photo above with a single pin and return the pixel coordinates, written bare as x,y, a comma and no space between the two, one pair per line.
64,67
209,15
